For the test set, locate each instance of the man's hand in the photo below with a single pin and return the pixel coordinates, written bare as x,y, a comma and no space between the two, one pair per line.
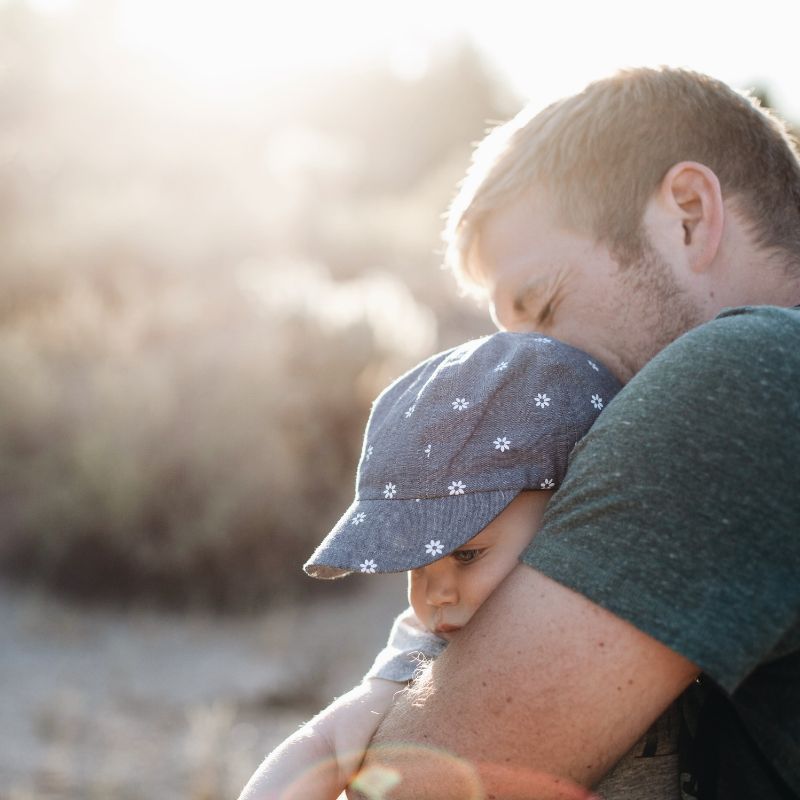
537,698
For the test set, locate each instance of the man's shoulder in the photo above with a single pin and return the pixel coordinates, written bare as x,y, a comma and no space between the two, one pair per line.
680,506
722,398
740,330
742,347
760,316
745,327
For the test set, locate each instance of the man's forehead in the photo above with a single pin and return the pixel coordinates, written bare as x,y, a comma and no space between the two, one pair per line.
512,239
512,272
491,267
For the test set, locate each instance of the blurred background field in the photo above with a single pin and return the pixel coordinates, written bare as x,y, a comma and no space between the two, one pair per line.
219,239
101,704
198,302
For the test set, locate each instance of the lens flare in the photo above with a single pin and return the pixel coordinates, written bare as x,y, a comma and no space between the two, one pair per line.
376,781
410,768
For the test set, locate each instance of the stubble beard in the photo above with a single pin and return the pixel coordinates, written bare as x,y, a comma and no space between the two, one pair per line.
668,310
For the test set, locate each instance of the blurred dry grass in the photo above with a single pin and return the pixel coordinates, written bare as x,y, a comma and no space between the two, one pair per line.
198,303
132,705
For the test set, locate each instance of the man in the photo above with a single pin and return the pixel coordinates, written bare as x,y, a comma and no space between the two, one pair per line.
618,220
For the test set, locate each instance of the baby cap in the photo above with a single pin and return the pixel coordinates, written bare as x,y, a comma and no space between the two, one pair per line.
453,441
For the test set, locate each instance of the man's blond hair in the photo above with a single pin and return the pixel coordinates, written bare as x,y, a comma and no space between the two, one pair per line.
602,153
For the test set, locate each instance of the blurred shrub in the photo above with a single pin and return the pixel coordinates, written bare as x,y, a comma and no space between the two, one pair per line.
190,447
198,301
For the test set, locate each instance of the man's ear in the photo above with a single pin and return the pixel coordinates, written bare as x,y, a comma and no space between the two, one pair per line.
691,212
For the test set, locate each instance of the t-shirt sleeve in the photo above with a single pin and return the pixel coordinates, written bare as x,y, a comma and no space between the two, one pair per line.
409,647
680,512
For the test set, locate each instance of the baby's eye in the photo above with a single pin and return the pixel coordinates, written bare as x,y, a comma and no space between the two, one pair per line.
466,556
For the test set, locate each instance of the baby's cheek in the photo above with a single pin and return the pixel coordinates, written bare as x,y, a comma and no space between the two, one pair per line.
474,601
484,589
416,599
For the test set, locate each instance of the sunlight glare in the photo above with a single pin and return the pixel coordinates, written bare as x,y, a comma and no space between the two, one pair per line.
235,47
50,6
240,43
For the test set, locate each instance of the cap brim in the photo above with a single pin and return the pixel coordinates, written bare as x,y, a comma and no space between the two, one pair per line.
397,535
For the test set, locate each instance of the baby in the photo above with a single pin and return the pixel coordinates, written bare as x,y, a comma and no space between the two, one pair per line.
460,457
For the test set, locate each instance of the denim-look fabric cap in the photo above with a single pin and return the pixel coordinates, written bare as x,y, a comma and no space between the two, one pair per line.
452,442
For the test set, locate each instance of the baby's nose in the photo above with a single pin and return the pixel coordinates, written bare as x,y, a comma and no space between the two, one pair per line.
442,591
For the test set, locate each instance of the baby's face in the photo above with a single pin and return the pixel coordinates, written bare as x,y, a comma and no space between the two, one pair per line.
446,593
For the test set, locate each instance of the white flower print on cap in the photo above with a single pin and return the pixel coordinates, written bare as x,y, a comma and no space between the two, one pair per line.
434,547
456,439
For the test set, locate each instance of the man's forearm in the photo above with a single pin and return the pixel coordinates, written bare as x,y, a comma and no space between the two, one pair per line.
419,762
538,697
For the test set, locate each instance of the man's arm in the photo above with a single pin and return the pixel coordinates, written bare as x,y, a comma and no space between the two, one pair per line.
538,697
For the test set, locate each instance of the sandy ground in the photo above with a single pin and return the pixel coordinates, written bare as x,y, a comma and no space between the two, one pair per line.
100,704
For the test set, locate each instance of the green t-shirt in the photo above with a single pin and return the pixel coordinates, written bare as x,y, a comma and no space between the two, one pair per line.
680,513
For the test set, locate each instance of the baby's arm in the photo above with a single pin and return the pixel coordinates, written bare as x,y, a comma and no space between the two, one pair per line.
320,759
